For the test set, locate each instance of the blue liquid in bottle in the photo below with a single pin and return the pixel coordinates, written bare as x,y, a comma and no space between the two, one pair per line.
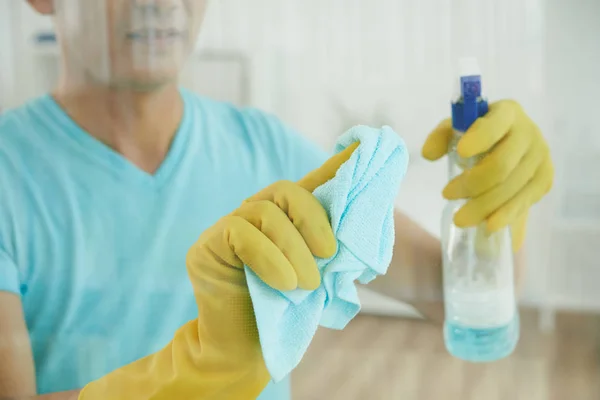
481,344
482,321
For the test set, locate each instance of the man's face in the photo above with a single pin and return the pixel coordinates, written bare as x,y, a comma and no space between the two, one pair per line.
135,44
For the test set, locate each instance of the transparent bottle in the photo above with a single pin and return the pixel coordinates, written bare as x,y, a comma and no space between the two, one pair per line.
482,321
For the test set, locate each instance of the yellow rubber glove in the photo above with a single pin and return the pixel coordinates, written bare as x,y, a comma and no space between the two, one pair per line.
276,233
515,173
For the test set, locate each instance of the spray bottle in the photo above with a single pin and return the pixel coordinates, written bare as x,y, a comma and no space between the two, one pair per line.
482,321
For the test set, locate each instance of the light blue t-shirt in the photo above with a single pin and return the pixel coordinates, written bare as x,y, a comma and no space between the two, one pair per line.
96,247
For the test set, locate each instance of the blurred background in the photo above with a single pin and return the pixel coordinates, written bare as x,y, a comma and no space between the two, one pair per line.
326,65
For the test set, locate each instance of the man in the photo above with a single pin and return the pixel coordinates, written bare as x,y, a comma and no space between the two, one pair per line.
108,182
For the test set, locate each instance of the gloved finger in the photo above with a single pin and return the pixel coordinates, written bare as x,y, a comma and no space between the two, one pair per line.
479,208
327,171
305,212
493,169
276,225
235,242
436,144
488,130
518,230
303,209
531,194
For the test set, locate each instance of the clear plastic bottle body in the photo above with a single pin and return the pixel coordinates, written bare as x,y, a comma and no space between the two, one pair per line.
482,321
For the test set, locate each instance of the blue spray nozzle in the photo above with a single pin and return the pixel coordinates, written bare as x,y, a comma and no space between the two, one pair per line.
470,87
470,105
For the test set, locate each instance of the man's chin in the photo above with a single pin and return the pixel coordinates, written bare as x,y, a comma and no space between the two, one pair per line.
144,83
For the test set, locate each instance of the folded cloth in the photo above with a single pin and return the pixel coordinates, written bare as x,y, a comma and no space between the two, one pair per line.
360,203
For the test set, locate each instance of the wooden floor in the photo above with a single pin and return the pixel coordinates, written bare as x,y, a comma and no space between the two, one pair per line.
378,358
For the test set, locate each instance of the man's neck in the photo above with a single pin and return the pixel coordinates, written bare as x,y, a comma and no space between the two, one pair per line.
138,125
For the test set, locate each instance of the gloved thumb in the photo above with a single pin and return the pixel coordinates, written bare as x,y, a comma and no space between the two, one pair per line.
327,171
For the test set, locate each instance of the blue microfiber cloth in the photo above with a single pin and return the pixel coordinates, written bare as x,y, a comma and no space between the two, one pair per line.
360,203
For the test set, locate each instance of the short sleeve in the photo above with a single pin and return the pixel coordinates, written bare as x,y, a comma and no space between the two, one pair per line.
9,275
302,156
296,154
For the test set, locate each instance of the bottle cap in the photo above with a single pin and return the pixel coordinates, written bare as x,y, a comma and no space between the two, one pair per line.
468,104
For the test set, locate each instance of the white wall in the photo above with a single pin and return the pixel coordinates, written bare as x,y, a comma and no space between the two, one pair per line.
323,65
574,227
6,52
387,61
28,73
